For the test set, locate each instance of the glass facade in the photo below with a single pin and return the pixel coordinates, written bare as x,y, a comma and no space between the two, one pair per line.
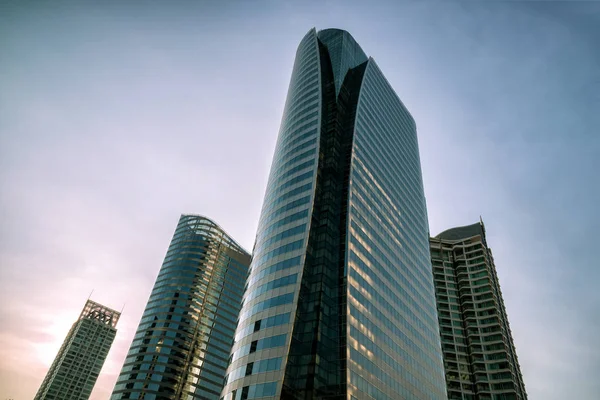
393,337
75,369
282,237
340,290
183,342
479,354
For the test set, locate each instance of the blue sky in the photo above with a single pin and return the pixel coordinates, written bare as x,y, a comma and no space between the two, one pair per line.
115,118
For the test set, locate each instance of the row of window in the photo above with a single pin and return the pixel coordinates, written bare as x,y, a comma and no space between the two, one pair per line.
274,284
280,236
258,391
285,197
169,312
181,340
302,118
427,315
303,103
198,304
269,322
406,374
299,86
429,331
366,387
286,248
260,344
406,194
404,274
292,204
297,142
257,367
275,174
418,363
198,294
263,305
297,100
415,252
194,270
278,224
302,145
381,137
293,137
407,250
396,158
198,279
406,316
308,59
292,182
166,363
302,110
299,89
279,266
303,67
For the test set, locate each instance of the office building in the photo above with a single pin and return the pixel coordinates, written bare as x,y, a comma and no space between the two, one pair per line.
340,302
75,369
479,354
182,344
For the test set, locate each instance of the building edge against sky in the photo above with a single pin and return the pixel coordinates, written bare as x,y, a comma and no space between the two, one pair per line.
340,300
75,369
480,358
182,345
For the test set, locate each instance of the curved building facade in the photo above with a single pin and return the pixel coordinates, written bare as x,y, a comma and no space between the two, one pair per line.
182,344
339,302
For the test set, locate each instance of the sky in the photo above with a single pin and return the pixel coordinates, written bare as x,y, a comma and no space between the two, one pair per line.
117,117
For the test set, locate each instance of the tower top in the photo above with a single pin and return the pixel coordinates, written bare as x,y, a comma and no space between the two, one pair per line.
98,312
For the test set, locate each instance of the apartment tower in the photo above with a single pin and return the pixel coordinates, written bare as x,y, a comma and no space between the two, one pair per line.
75,369
479,354
182,344
340,301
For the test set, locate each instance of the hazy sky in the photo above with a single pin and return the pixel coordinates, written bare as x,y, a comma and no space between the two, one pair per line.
116,117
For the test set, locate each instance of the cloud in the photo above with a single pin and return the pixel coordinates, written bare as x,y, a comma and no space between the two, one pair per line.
115,119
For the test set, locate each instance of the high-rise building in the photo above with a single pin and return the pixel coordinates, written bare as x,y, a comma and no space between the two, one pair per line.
182,344
479,354
75,369
340,302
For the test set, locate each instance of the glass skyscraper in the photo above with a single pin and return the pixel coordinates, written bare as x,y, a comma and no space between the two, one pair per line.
340,301
182,344
75,369
479,354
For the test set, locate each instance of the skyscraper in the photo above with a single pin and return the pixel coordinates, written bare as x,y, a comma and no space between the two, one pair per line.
75,369
340,302
479,354
182,344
